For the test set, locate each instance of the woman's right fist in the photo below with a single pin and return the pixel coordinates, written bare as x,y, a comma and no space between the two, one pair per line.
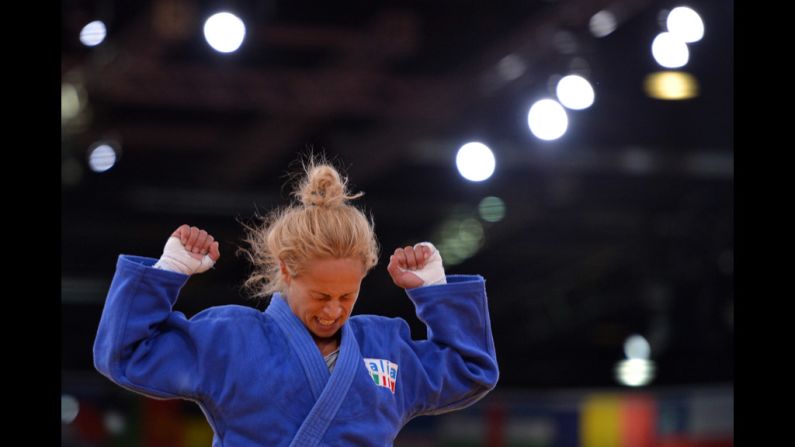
197,242
189,250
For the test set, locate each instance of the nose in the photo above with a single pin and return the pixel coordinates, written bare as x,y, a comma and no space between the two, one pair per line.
333,310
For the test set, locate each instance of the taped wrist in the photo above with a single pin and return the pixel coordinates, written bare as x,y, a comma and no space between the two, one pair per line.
176,258
433,271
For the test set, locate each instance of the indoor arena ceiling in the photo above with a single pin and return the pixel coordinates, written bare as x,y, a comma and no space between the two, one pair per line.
624,225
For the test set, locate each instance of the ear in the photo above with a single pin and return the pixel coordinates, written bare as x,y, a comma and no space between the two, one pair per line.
286,278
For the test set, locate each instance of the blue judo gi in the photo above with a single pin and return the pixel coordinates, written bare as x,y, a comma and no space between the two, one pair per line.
260,379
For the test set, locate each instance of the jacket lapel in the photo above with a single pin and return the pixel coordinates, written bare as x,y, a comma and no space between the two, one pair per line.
300,341
329,390
325,409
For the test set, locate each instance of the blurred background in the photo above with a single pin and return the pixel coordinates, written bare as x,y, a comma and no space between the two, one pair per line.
576,153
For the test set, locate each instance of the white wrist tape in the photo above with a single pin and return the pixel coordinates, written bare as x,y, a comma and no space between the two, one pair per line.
176,259
433,272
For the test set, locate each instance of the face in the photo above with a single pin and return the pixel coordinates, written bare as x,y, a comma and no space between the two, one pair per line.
323,294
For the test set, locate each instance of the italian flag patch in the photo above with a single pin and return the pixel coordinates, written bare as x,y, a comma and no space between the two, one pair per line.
383,372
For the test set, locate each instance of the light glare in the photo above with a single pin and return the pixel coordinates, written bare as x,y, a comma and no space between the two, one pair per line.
671,85
114,422
547,119
511,67
491,209
102,158
602,23
93,33
575,92
224,32
636,347
70,102
475,161
634,372
670,51
69,409
685,24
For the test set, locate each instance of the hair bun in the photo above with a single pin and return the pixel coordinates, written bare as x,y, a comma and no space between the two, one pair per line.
323,187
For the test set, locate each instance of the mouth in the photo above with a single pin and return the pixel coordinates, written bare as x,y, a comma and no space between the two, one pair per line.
327,324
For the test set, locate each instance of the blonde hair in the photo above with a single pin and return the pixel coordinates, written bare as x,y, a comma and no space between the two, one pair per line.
321,225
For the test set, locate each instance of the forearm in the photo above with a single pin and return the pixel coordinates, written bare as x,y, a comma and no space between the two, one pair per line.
140,298
459,353
456,314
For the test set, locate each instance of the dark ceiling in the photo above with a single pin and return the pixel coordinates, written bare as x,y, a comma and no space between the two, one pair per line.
624,225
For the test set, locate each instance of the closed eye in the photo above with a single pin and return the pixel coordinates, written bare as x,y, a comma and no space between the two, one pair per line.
346,297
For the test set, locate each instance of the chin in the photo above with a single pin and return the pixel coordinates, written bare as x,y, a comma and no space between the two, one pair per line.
328,333
325,332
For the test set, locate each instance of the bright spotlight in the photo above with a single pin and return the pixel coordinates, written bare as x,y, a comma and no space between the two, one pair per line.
547,119
685,24
224,32
670,51
634,372
475,161
93,34
575,92
636,347
102,157
671,85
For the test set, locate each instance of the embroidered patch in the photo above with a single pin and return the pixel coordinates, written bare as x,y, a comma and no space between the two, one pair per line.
383,372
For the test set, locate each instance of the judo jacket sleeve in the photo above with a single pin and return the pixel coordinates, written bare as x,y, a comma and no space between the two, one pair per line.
458,360
145,346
